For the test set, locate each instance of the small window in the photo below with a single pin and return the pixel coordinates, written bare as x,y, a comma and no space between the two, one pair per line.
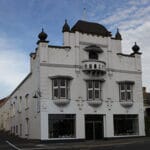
16,129
126,91
93,55
20,104
27,101
95,66
93,90
60,88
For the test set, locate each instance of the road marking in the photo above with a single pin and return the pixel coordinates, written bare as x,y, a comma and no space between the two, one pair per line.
12,145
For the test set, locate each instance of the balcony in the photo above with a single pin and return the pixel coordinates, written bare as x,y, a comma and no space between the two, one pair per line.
126,103
94,66
61,102
94,103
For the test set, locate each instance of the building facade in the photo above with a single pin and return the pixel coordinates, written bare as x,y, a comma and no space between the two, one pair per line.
85,89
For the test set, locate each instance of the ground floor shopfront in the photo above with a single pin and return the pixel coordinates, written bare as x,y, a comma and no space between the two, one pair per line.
64,126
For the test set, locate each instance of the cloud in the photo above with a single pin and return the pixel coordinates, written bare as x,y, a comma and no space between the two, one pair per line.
13,66
119,15
133,21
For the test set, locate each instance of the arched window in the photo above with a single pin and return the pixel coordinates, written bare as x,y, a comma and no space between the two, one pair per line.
93,55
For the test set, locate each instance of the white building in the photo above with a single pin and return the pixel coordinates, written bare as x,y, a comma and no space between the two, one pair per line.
85,89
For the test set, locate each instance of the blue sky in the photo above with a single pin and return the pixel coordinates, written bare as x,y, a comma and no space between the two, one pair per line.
22,20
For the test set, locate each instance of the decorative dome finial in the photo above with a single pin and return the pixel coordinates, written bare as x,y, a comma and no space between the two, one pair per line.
135,48
118,35
66,27
42,36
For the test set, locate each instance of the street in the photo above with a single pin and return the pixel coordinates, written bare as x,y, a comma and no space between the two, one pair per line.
142,143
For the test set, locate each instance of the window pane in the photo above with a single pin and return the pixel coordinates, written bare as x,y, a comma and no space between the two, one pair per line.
96,84
122,87
128,87
62,92
90,94
62,82
122,95
55,82
128,95
90,84
96,93
93,55
55,93
125,124
61,126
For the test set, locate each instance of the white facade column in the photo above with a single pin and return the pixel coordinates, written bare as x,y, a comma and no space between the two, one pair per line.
141,124
44,126
80,126
108,126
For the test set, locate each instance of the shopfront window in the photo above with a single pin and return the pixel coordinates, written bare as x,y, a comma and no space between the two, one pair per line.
61,125
125,125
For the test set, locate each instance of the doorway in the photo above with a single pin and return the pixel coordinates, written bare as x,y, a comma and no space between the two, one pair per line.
93,127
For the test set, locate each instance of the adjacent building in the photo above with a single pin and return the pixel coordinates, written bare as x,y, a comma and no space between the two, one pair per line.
146,97
85,89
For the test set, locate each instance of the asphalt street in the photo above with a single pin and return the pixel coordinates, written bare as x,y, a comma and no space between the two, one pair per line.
142,143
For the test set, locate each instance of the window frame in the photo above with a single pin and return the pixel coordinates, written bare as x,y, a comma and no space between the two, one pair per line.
93,89
126,91
59,87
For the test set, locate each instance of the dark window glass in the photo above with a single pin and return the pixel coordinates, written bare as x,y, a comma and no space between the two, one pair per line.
62,92
90,84
55,82
90,94
56,93
128,87
125,124
122,95
62,82
62,126
122,86
96,84
93,55
128,95
96,94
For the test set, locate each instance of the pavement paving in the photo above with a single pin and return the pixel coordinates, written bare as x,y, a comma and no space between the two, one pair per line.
140,143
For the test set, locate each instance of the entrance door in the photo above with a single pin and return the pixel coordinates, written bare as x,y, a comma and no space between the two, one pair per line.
94,127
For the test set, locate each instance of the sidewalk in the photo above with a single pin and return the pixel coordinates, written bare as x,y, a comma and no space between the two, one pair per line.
25,144
85,145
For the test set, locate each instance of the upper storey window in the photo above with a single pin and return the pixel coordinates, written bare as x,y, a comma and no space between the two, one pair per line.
61,87
93,51
94,90
93,55
126,91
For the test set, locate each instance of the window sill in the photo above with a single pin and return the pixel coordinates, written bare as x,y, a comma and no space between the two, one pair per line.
94,103
126,103
61,102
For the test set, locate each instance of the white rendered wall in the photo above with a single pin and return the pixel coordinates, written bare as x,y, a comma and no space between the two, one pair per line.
62,62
